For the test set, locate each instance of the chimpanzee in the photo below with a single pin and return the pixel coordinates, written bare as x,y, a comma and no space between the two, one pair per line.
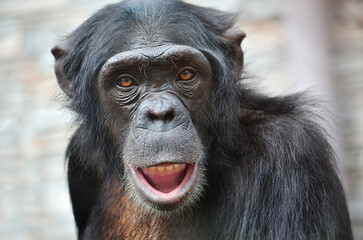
172,144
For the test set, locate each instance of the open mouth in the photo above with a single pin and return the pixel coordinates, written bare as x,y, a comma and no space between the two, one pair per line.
164,178
166,184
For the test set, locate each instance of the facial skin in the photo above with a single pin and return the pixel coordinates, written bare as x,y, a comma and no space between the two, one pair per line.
157,95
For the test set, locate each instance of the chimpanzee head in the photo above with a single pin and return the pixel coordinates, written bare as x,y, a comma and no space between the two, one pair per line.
158,93
148,81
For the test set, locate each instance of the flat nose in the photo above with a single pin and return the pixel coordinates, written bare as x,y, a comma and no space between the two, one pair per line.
161,112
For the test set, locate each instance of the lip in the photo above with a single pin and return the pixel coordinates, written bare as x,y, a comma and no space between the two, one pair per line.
173,197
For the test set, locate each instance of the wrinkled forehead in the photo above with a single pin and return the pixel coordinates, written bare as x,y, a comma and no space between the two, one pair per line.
147,56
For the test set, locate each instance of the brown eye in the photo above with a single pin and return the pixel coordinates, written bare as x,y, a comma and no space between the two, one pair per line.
125,81
186,75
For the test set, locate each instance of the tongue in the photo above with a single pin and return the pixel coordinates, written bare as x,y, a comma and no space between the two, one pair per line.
164,182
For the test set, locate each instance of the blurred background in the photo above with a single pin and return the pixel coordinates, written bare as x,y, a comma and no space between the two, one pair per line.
290,46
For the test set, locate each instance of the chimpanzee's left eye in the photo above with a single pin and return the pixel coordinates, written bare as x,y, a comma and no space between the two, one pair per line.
187,74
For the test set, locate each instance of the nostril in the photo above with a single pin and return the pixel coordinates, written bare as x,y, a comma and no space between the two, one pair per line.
152,116
169,115
164,115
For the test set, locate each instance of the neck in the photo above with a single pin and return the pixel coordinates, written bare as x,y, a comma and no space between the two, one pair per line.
122,218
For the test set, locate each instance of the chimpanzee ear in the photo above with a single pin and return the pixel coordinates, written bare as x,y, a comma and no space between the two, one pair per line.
59,53
234,37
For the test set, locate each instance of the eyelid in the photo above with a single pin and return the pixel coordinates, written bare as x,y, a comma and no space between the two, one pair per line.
126,75
186,68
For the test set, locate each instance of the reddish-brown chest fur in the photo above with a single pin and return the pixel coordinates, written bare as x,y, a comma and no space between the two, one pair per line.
121,218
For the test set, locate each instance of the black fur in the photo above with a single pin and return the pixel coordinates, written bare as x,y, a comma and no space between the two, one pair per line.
270,168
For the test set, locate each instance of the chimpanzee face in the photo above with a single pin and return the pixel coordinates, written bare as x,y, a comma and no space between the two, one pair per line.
156,99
